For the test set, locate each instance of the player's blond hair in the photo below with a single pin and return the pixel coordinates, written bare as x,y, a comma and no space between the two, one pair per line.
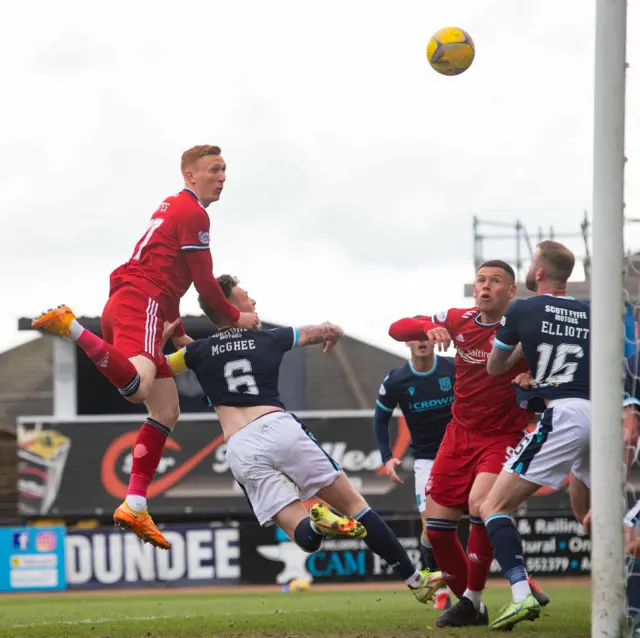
227,283
557,259
194,154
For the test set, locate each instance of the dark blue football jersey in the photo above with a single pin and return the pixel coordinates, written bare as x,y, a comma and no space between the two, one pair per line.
554,333
241,367
425,400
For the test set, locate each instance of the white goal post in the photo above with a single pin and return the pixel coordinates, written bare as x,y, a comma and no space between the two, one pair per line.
607,335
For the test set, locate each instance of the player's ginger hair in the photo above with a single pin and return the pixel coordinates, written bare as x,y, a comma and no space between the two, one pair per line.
193,154
557,259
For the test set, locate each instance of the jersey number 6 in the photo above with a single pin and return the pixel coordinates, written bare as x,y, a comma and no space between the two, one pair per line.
234,382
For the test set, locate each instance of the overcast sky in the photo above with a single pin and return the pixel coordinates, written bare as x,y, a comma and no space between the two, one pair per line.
354,170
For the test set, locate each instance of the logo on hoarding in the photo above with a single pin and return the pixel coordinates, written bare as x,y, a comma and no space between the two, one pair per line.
42,455
344,557
118,488
21,541
46,542
288,553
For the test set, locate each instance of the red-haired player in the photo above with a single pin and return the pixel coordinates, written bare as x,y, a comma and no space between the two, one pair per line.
487,424
144,293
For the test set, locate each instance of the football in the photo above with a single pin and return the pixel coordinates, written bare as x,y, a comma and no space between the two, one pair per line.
297,584
450,51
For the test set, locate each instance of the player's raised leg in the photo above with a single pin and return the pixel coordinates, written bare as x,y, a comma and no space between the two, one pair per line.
380,539
132,378
163,406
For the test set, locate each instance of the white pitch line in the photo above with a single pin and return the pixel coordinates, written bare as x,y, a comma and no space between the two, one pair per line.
97,621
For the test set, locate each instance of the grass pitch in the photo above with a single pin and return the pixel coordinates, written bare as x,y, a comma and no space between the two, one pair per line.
316,613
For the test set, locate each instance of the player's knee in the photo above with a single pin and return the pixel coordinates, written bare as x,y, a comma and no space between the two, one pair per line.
137,398
475,504
142,393
167,415
486,509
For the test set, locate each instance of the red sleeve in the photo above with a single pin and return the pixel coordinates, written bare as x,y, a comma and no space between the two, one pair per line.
193,229
411,329
200,266
179,331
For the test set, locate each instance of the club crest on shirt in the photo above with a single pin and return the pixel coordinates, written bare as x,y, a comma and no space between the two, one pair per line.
203,237
445,383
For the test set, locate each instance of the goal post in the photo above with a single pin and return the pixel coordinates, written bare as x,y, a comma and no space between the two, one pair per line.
607,329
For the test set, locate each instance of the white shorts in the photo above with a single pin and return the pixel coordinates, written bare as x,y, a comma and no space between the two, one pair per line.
277,461
558,445
422,472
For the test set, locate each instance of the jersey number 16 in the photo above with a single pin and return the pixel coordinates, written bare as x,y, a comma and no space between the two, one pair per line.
562,371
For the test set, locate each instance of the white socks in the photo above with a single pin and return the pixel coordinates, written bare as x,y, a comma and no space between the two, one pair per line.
135,502
75,330
520,591
474,596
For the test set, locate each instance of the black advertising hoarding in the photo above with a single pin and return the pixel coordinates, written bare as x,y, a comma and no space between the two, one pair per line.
553,546
81,468
200,555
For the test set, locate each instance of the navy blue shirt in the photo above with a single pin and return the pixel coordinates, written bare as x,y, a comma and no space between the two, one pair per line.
554,333
241,367
425,400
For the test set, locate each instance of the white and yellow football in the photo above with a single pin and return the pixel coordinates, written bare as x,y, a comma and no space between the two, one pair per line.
450,51
299,584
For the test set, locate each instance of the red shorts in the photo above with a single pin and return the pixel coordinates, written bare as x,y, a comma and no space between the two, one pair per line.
133,323
464,454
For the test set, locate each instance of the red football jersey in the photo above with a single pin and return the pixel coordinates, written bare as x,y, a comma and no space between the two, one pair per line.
158,266
482,403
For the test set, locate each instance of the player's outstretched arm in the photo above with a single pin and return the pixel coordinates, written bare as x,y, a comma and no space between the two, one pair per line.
501,360
420,329
327,333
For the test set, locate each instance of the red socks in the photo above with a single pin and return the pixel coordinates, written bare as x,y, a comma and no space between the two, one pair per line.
449,554
480,553
147,453
110,362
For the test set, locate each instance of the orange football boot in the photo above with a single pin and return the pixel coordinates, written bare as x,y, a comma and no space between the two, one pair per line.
56,320
141,524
